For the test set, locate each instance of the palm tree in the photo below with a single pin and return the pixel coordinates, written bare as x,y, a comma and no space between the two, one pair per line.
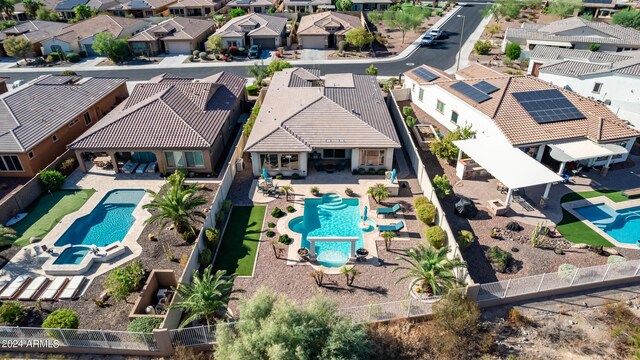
178,205
287,190
7,235
7,7
432,268
379,192
350,274
259,72
206,297
388,236
218,19
31,7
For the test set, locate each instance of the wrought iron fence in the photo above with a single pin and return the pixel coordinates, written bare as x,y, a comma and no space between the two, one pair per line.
197,335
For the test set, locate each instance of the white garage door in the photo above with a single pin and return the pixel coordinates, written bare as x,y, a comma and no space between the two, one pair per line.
178,47
313,42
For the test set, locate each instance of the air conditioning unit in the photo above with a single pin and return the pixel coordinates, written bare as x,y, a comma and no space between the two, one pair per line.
607,102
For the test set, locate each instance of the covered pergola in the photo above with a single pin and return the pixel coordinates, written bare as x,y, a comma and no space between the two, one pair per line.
511,166
584,150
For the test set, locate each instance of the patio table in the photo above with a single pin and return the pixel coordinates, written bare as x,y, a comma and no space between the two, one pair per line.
102,161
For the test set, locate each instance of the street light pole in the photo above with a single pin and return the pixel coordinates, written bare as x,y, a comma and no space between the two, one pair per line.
461,36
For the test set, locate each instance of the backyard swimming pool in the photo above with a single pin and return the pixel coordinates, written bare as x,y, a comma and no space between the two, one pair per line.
72,255
622,225
330,216
107,223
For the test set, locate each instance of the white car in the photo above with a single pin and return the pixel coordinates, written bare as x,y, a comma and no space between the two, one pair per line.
436,33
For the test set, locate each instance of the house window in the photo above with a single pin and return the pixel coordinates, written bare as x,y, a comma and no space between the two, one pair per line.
334,153
87,118
597,87
175,159
421,94
413,87
10,163
31,154
372,157
179,159
75,121
440,106
194,159
54,138
454,117
289,162
269,161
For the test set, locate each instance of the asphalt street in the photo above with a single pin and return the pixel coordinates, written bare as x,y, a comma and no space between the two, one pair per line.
442,55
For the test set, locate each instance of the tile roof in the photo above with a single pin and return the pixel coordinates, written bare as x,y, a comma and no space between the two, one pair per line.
48,4
69,5
557,53
194,3
37,109
261,25
621,64
142,4
167,113
476,71
314,24
442,76
34,30
246,3
519,128
177,28
98,24
590,32
347,112
307,2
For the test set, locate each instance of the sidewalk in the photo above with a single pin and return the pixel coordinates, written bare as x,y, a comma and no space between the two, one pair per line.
467,47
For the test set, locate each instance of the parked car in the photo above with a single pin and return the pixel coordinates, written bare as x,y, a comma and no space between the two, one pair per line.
436,33
254,51
427,40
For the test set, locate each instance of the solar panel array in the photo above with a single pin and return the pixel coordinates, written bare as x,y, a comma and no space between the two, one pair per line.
485,87
597,1
425,74
547,106
470,92
139,4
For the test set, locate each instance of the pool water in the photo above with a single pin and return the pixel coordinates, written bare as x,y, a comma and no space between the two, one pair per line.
623,225
107,223
330,215
72,255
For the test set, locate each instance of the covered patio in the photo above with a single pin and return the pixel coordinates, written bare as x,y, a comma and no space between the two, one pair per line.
587,152
511,166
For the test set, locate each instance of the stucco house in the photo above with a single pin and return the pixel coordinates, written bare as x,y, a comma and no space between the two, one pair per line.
325,30
141,8
65,8
310,6
254,29
306,120
178,35
197,8
171,121
20,14
35,31
252,6
39,118
80,36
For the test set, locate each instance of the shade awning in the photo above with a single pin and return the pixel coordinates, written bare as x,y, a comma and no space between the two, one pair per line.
550,43
511,166
583,150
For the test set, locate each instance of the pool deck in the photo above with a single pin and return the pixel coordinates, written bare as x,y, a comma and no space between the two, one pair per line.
571,207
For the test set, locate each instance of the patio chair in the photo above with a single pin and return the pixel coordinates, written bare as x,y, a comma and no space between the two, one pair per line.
397,226
152,167
141,169
72,291
15,287
55,288
388,210
318,165
34,288
129,167
341,165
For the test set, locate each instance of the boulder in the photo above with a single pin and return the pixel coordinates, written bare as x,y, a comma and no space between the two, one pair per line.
580,246
610,251
34,240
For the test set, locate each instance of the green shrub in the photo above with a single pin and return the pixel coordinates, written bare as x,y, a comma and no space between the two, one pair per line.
407,111
82,54
513,51
381,171
124,280
438,12
144,324
285,239
410,121
212,235
371,171
11,312
361,171
205,257
524,63
226,206
436,236
196,53
190,58
279,176
62,319
55,56
203,55
51,179
73,57
315,191
277,213
482,47
426,213
342,45
349,191
271,225
68,73
270,233
507,61
420,200
441,185
252,90
498,258
295,176
291,209
594,47
67,166
465,239
221,216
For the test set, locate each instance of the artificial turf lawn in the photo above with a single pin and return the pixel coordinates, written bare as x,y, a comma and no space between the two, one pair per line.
47,213
577,231
240,241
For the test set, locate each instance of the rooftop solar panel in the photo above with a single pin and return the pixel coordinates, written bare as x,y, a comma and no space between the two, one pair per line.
597,1
486,87
425,74
547,106
470,92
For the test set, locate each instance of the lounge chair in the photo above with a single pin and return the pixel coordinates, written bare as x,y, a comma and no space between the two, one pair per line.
341,165
72,291
388,210
54,289
392,227
142,168
15,287
34,288
129,167
152,167
631,192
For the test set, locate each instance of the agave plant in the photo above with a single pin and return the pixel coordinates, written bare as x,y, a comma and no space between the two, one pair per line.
178,205
431,267
206,297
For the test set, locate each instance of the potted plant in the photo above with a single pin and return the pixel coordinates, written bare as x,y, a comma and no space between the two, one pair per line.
362,252
494,233
152,237
303,253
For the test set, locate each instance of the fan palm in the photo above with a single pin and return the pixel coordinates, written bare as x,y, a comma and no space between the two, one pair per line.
7,7
7,235
431,267
379,192
206,297
31,7
288,189
178,205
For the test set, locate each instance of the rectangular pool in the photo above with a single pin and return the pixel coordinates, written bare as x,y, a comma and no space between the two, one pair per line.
622,225
107,223
72,255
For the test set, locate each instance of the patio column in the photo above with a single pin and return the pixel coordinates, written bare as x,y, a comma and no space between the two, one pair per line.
605,168
83,166
312,251
459,155
509,195
114,160
352,255
540,153
562,165
545,196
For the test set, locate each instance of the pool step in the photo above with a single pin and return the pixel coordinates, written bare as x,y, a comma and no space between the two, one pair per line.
331,198
333,206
